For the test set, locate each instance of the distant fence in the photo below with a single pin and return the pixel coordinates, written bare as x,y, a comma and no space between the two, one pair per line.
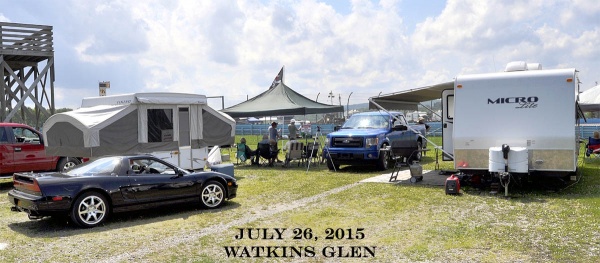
261,129
435,129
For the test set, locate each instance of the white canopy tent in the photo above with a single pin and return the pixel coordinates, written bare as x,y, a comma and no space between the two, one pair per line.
589,100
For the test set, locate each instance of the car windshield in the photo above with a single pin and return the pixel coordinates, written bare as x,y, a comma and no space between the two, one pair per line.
103,166
147,165
366,122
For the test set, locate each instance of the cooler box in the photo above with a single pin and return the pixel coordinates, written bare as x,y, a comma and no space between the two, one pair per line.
225,168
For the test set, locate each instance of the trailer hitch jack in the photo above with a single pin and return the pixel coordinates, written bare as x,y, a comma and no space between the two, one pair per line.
505,176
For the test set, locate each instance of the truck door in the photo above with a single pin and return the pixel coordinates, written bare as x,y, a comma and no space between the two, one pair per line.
447,124
6,151
28,149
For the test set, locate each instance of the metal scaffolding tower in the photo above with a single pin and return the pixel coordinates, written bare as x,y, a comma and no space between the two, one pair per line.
23,48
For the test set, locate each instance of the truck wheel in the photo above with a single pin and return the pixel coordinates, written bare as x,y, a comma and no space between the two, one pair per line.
90,209
66,163
332,166
417,155
382,162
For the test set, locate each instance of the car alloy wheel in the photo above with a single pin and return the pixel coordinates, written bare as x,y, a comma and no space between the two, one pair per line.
90,210
67,163
213,194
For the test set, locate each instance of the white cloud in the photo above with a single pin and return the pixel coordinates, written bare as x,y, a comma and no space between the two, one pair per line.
3,18
236,47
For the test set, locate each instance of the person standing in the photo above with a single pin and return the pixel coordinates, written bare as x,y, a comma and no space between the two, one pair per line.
273,133
293,130
422,121
293,134
273,137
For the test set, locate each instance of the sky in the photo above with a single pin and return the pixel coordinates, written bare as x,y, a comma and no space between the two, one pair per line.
352,49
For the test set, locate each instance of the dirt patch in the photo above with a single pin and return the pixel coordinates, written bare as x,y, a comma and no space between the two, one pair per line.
429,178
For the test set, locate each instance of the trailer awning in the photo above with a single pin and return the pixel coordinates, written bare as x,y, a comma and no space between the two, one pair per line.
409,99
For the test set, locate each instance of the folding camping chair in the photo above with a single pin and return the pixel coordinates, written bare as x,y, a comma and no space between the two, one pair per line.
240,155
592,148
311,153
294,153
266,153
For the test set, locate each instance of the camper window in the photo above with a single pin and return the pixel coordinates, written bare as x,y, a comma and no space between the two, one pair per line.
450,107
160,125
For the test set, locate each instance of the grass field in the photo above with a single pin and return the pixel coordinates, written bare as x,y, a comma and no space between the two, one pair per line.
396,222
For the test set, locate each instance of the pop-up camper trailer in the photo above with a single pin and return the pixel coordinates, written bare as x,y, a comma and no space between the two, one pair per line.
511,124
172,126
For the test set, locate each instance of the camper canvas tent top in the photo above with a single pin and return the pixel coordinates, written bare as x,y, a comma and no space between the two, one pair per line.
165,124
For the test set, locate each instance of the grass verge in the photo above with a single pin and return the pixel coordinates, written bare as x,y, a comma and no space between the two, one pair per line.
401,222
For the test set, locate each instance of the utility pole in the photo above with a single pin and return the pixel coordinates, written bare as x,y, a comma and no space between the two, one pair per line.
347,105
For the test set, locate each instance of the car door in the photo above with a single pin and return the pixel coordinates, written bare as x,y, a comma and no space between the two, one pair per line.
397,135
153,180
6,152
28,151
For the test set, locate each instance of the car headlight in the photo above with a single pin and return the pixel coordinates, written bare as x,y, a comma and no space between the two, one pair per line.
371,141
326,141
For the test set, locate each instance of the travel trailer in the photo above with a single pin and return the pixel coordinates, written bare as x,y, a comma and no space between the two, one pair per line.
509,125
175,127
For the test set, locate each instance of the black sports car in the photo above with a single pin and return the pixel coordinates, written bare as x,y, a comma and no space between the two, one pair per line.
91,191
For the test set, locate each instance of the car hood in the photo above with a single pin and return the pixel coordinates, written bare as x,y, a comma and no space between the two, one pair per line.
358,132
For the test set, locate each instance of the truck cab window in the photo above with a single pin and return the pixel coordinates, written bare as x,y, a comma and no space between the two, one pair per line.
3,136
24,135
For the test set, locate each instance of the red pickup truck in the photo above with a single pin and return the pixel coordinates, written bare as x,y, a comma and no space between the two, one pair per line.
22,150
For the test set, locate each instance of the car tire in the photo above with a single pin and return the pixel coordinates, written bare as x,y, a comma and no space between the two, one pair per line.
66,164
90,209
331,165
383,161
212,195
418,155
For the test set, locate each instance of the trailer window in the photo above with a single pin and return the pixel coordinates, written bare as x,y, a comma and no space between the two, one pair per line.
160,125
450,107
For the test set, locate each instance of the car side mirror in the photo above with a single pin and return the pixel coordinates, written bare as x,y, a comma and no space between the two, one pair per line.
337,128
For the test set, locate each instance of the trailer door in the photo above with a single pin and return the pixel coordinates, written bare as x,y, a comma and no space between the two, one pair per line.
447,124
